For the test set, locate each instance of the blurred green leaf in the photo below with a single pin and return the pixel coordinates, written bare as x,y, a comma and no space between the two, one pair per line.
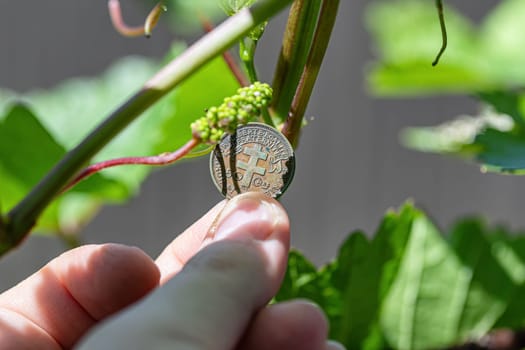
185,16
502,151
506,102
27,152
23,163
456,136
30,144
501,44
445,292
407,37
365,271
478,58
73,109
495,139
189,101
233,6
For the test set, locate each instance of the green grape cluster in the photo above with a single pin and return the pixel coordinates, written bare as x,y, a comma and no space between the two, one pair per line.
241,108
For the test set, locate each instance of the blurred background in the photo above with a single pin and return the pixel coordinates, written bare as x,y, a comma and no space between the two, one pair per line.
351,167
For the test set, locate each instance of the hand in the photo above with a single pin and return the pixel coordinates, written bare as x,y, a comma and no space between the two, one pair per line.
207,290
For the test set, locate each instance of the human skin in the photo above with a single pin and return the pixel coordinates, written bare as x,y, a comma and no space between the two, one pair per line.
208,289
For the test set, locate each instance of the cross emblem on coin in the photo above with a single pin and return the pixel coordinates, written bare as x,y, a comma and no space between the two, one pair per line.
251,167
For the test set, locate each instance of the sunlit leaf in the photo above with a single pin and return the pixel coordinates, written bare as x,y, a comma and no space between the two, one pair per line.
27,152
410,287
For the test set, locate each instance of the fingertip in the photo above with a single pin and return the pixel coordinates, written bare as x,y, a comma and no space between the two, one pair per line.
253,215
249,216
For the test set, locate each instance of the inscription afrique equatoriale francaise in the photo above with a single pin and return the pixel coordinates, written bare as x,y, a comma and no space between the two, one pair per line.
255,158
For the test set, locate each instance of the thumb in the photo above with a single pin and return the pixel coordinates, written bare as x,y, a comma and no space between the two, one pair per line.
209,304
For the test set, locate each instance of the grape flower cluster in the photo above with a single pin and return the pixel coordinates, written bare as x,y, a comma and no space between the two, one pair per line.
241,108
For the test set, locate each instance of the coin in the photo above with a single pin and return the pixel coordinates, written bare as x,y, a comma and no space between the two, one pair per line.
256,157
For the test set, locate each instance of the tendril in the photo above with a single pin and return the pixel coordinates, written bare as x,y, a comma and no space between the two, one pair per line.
115,12
444,38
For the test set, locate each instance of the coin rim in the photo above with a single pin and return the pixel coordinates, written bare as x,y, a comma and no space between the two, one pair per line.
291,169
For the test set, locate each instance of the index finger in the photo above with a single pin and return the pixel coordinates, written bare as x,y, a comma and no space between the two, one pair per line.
245,220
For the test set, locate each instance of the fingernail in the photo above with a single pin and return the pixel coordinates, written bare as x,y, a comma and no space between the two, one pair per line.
333,345
250,215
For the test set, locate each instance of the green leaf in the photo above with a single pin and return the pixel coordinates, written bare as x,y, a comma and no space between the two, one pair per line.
506,102
22,163
407,37
501,41
496,141
488,284
364,276
411,288
299,278
27,152
351,289
73,109
446,292
233,6
67,113
510,252
501,150
419,78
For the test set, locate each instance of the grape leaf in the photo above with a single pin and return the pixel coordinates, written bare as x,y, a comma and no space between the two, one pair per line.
363,277
27,152
412,288
73,109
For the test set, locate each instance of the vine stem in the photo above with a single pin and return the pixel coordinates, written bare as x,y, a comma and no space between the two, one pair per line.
161,159
296,44
23,216
292,126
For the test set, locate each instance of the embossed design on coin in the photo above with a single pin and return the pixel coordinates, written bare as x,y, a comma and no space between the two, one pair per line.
256,158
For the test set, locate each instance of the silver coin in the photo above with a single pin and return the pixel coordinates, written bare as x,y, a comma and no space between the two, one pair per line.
255,158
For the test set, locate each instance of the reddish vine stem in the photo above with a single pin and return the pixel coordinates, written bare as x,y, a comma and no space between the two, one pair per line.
161,159
227,56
